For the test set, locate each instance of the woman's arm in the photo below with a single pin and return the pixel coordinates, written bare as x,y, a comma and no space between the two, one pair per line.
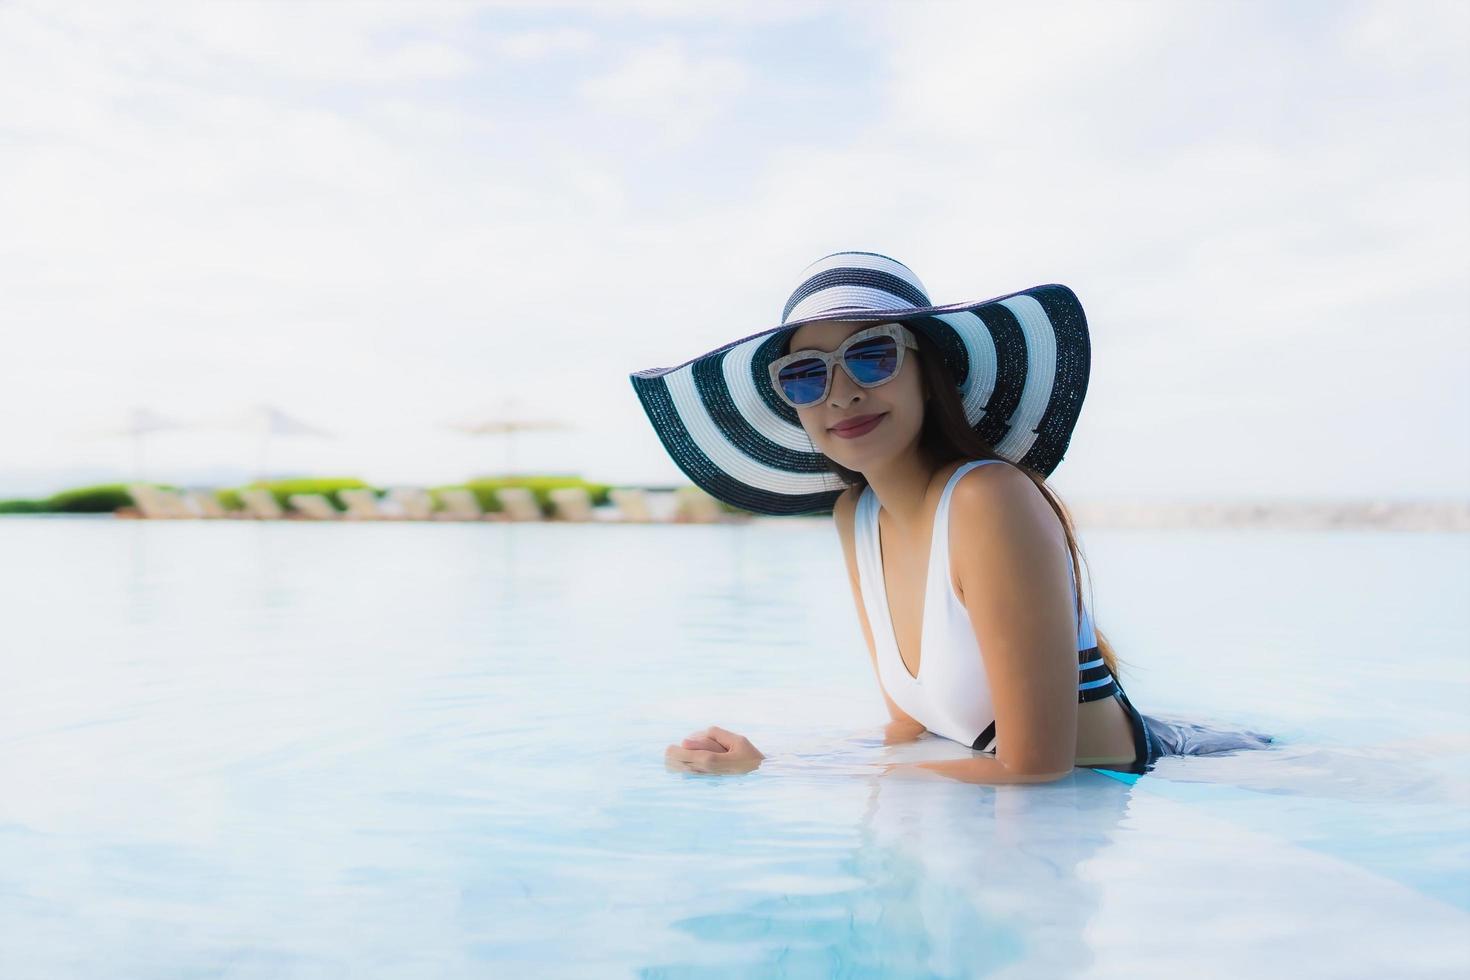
1011,561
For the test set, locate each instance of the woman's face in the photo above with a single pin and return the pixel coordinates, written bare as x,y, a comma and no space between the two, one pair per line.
899,402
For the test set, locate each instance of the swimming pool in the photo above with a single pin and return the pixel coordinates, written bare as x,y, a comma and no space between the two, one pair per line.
295,750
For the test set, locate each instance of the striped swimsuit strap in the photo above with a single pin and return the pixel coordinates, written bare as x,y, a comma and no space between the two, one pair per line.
1094,683
1094,680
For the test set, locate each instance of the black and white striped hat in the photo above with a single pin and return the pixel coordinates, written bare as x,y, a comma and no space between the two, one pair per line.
1020,360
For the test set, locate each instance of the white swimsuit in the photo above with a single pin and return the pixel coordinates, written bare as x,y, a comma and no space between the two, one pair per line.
951,695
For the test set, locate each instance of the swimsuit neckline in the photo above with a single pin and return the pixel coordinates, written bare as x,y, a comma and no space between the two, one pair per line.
874,506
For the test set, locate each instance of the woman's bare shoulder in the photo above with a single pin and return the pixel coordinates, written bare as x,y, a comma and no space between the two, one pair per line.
1001,498
1003,530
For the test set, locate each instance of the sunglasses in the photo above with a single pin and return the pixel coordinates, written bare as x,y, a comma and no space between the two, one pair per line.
871,357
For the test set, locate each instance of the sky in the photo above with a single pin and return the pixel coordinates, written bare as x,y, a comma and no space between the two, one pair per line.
384,218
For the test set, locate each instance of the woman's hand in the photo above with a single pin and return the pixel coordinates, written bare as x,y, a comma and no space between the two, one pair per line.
713,750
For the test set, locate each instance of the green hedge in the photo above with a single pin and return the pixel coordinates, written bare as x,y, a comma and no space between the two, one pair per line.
103,498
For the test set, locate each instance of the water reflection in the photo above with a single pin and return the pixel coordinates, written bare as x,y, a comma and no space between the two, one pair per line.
939,879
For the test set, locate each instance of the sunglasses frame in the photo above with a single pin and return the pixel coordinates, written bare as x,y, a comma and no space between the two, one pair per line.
902,334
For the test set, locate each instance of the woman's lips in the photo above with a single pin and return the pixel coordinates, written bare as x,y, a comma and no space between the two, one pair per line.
862,429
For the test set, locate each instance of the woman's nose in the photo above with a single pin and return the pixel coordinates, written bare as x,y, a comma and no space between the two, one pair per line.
843,388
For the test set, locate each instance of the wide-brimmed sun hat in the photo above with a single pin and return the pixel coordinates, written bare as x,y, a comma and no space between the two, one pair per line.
1020,362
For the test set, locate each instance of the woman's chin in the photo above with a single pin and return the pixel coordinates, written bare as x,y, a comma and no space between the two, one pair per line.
851,456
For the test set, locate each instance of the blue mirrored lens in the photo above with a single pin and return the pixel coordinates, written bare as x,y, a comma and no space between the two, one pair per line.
873,360
804,381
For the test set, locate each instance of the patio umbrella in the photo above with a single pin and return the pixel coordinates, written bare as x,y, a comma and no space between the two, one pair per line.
266,422
141,421
507,422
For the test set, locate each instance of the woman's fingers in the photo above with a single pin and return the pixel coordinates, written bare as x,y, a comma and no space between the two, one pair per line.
713,738
743,758
702,742
700,760
726,739
714,749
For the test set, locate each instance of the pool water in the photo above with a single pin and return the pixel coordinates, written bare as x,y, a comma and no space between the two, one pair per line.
235,749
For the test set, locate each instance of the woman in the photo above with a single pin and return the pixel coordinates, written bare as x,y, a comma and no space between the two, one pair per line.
927,431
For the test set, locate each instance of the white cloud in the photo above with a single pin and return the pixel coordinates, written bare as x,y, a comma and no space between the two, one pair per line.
535,45
1433,35
312,40
728,12
666,84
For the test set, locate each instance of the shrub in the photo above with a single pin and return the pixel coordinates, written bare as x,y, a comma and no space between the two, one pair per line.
103,498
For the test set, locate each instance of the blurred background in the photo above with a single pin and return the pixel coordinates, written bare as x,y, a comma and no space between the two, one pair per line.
311,239
287,257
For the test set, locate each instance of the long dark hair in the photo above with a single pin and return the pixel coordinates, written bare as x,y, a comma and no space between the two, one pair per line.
946,435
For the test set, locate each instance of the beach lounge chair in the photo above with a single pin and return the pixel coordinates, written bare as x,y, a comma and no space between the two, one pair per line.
362,505
143,500
632,504
172,503
167,503
414,503
697,507
571,503
203,503
461,504
518,503
262,504
155,502
314,505
178,501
